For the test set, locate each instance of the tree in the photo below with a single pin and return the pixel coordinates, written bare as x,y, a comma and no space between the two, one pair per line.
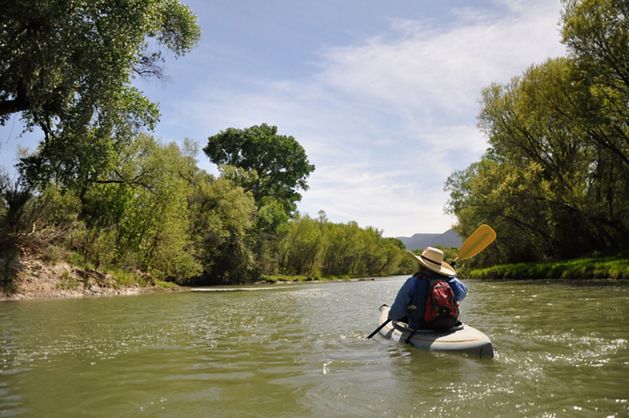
223,217
14,199
511,199
314,247
150,215
301,247
596,33
278,162
544,183
66,67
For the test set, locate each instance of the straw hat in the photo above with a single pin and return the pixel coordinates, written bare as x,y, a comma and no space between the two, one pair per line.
432,259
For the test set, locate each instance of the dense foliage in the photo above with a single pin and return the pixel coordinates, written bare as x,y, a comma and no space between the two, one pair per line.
276,165
555,179
158,213
66,67
316,247
66,64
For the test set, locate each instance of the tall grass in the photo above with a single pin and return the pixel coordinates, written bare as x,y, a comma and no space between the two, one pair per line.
582,268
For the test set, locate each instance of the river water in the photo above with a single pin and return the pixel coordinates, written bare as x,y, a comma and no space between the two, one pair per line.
301,351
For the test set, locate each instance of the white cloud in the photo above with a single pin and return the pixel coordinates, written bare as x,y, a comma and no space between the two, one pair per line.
386,200
388,120
445,69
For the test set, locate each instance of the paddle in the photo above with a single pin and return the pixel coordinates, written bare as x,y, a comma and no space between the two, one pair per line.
474,244
378,329
477,242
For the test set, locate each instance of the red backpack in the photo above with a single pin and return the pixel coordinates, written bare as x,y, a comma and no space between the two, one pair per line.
442,311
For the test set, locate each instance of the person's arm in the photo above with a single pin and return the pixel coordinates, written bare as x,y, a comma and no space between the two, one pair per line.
399,309
458,288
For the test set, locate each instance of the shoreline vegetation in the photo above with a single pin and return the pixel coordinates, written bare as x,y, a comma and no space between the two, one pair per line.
615,268
40,279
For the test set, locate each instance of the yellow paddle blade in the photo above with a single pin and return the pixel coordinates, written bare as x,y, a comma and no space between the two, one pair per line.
477,242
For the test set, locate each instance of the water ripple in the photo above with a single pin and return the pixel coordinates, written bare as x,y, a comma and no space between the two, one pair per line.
302,351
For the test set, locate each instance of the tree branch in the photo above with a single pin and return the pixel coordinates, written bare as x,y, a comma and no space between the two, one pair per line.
18,104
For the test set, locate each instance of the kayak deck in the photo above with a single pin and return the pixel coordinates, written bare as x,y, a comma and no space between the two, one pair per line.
462,338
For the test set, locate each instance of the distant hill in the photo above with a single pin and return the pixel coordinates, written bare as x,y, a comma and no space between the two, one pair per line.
450,238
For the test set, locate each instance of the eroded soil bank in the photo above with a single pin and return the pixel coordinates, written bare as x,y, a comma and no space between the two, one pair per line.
34,278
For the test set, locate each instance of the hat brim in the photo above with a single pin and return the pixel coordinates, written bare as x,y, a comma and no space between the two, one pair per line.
444,268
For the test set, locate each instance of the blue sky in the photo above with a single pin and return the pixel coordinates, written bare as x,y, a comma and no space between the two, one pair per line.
383,96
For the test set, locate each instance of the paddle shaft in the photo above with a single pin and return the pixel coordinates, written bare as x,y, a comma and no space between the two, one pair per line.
379,328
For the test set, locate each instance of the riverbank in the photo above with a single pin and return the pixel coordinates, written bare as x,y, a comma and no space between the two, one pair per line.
615,268
62,280
285,278
35,277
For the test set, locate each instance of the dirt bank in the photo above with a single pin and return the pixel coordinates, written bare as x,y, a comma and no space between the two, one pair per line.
35,278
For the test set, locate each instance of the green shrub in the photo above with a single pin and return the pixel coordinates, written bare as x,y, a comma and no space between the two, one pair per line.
68,282
584,268
54,253
166,285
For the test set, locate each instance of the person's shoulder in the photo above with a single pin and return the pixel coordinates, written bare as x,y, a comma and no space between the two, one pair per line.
410,279
409,282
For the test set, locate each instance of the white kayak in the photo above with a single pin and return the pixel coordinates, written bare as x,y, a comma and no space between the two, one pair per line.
461,338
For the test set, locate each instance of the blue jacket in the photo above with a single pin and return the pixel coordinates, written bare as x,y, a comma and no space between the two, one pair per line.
413,293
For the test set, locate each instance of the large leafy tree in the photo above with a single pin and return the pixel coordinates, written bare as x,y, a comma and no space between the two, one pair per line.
67,68
278,164
556,177
596,33
223,217
143,212
64,63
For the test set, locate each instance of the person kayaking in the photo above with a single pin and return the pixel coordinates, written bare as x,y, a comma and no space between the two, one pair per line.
429,299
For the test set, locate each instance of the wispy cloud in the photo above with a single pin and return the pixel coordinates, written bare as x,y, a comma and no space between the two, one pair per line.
387,120
445,69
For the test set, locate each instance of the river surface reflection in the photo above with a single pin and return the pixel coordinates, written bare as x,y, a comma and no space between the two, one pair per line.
301,350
